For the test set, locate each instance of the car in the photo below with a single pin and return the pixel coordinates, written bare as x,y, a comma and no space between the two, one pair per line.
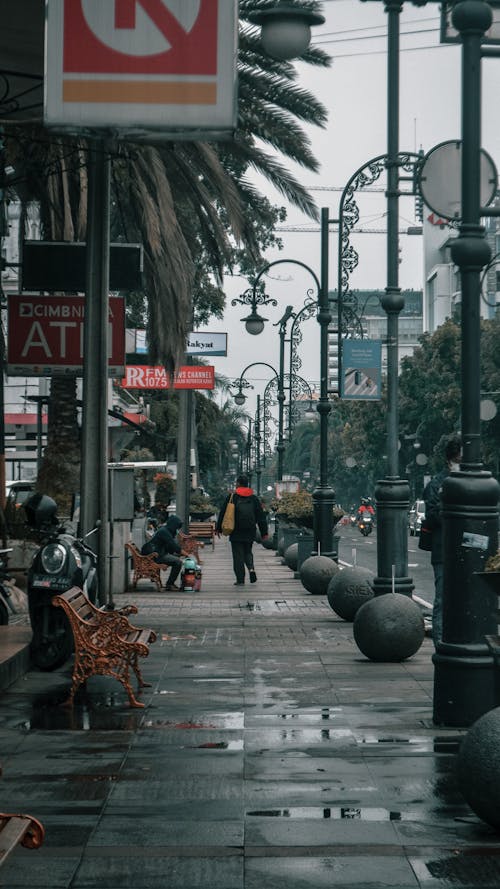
416,517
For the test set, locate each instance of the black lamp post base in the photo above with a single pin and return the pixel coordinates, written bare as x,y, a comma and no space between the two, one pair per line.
392,499
464,684
323,501
464,673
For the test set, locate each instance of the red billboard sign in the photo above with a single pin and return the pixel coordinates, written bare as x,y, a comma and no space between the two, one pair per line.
142,65
191,376
45,335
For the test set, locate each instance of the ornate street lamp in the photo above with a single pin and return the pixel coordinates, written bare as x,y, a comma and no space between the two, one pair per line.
323,495
286,29
240,399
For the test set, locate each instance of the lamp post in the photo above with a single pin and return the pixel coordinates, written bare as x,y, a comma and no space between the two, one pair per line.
463,669
257,436
323,495
392,493
240,399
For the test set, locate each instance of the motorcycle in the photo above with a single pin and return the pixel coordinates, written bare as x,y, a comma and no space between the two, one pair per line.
61,562
365,525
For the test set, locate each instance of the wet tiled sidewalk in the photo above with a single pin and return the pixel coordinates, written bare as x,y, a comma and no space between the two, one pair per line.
270,754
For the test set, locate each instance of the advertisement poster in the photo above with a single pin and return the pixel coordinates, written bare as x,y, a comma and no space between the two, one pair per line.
361,370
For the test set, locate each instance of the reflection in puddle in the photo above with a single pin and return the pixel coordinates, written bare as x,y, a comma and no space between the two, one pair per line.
216,745
350,813
107,712
419,744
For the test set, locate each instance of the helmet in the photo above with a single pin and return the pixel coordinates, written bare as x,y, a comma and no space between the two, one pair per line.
40,511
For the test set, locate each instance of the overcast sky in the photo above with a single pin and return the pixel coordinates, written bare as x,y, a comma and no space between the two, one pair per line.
354,92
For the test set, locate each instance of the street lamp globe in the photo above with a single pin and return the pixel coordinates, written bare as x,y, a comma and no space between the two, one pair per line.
254,323
286,30
239,398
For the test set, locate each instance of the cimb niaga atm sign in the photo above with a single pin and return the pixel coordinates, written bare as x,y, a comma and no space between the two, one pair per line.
141,65
45,335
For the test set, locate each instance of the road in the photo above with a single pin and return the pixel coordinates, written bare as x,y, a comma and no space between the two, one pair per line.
354,549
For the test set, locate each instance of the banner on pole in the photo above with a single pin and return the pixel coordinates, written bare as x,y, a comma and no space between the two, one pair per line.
361,370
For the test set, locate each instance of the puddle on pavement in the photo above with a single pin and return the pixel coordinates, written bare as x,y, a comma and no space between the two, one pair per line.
350,813
231,746
324,714
105,713
201,721
418,744
221,679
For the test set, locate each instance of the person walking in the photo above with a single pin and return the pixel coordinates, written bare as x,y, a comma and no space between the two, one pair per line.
433,521
164,543
248,514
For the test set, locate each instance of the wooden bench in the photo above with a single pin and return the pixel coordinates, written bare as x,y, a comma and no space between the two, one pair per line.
145,567
17,830
190,545
106,643
203,531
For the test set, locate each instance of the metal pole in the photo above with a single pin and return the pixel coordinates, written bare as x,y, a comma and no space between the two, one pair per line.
392,493
323,496
280,447
464,671
94,476
183,484
257,445
3,232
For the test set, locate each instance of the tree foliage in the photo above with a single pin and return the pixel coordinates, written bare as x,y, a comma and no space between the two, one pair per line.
429,411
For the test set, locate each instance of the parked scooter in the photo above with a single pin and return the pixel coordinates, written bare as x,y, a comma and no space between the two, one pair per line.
191,575
365,524
61,562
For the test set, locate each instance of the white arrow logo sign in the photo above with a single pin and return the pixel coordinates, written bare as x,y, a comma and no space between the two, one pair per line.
141,27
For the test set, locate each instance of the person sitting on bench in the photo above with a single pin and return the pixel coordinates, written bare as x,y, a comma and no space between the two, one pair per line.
168,551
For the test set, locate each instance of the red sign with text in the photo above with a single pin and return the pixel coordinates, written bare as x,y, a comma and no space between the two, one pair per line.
45,335
192,376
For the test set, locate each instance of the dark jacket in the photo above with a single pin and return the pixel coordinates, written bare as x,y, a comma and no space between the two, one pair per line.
244,530
163,541
433,520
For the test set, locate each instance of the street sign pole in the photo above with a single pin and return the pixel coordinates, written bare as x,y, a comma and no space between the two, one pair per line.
94,476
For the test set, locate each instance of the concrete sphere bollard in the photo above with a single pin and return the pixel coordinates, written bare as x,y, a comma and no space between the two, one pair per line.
291,556
389,628
478,767
269,543
349,590
281,545
316,573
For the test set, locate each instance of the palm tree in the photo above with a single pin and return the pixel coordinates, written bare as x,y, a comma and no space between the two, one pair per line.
186,202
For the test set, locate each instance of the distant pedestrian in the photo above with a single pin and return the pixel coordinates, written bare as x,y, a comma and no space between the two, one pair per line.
248,515
164,543
433,521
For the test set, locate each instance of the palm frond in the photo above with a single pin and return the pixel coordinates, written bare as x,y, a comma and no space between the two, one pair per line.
168,264
278,175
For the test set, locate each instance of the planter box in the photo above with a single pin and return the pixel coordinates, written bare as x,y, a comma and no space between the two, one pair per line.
305,549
